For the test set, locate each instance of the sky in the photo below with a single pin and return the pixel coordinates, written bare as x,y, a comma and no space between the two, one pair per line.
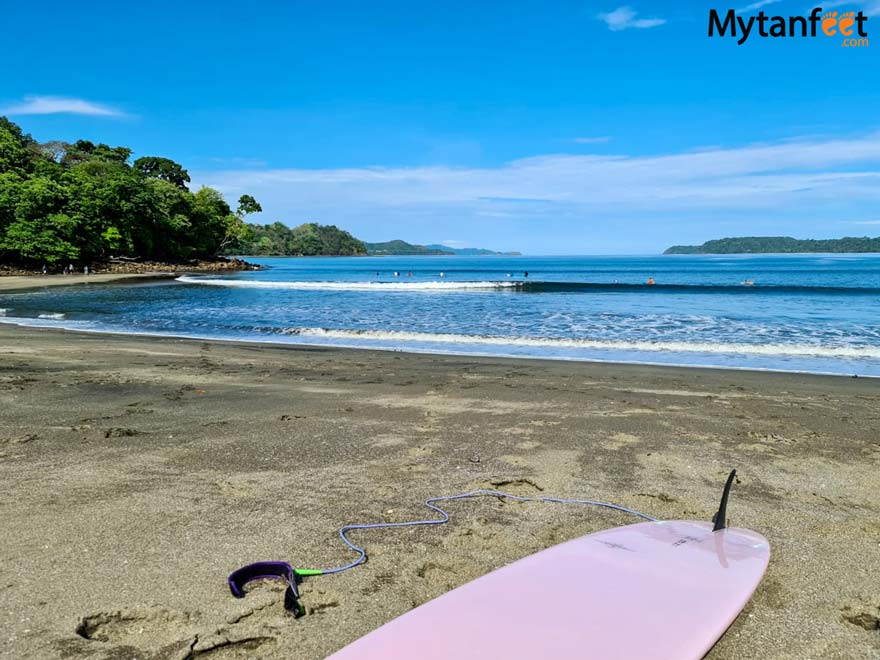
558,127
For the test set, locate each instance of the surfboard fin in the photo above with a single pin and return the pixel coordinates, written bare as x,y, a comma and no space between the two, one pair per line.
720,517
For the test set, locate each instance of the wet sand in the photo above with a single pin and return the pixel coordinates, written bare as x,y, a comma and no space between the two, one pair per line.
136,473
21,282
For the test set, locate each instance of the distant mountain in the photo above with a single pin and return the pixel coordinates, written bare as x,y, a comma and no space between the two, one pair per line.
470,252
779,245
402,247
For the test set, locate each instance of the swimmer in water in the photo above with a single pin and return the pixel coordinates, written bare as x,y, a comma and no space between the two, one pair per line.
650,280
396,274
526,274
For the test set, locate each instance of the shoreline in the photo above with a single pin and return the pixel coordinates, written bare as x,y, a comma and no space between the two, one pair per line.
353,352
156,461
13,322
10,283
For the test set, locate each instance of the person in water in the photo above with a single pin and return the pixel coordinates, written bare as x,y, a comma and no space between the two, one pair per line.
526,274
650,280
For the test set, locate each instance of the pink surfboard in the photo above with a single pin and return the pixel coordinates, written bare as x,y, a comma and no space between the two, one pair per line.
650,591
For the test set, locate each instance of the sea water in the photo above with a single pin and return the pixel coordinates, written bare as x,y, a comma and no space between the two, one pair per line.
815,313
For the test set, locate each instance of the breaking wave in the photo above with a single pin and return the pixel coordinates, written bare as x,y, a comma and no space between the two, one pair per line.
349,286
531,286
804,350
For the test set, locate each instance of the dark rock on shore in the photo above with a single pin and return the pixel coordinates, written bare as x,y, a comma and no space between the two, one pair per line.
134,267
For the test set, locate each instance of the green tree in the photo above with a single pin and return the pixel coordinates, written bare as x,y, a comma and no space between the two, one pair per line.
40,230
162,168
309,239
14,147
248,205
82,200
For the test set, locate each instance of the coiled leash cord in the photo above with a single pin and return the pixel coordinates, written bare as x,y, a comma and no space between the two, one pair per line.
293,576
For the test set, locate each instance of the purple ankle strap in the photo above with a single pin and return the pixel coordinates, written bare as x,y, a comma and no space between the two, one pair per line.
268,570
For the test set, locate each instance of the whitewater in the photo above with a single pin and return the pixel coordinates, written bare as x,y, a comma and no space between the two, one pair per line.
813,313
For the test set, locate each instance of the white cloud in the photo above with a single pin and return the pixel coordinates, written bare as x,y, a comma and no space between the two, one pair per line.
54,105
871,10
625,17
602,139
820,178
758,5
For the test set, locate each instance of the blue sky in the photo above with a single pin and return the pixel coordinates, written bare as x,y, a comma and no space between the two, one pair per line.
549,128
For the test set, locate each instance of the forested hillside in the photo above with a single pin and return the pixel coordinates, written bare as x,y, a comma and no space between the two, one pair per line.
83,202
306,240
778,245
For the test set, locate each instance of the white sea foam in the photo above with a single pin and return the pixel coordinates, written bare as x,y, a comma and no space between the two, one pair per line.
55,316
499,343
3,311
805,350
349,286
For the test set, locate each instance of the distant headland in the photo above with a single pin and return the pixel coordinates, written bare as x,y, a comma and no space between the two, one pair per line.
312,239
403,248
779,245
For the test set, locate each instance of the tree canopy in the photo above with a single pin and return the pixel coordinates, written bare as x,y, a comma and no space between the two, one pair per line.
307,240
163,168
85,202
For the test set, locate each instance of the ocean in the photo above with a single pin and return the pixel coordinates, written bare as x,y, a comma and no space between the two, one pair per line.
811,313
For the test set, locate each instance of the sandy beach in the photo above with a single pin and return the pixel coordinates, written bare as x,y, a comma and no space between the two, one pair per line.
22,282
136,473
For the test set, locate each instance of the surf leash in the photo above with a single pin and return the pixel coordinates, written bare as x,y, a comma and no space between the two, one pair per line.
293,576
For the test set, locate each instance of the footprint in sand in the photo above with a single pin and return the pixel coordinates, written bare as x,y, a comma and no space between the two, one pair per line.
529,445
139,628
621,440
862,614
521,486
167,634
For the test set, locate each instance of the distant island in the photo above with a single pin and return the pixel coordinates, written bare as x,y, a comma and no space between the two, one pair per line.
403,248
472,252
779,245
